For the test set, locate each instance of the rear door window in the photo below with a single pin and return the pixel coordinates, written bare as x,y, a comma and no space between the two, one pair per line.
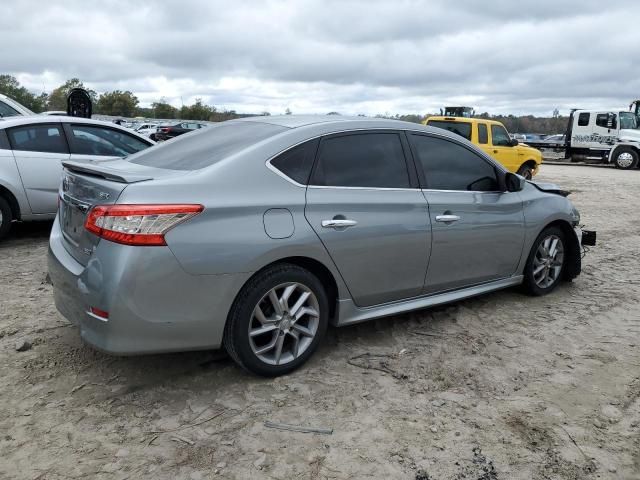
96,140
207,146
47,138
461,128
583,119
371,160
483,136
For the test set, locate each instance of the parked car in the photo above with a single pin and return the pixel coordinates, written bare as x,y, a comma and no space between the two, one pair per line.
146,129
10,108
32,149
493,138
167,132
256,233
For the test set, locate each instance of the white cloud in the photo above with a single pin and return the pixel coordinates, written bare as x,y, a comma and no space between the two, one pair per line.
317,56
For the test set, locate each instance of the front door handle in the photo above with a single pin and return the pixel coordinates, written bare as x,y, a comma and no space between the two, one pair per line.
447,218
338,223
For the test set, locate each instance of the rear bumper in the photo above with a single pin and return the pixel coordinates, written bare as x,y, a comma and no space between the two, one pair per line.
154,306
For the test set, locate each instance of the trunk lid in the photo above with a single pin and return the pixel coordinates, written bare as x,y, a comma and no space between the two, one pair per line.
89,183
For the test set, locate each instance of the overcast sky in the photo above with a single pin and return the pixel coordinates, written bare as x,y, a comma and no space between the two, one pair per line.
353,57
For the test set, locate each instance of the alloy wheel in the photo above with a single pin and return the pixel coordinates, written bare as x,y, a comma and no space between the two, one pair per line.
548,261
284,323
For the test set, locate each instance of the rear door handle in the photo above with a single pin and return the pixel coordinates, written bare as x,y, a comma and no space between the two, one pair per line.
338,223
447,218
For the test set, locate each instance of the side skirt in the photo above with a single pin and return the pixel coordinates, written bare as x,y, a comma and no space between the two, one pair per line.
349,313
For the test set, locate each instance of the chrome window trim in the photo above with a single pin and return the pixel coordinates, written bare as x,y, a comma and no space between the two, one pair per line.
462,191
318,187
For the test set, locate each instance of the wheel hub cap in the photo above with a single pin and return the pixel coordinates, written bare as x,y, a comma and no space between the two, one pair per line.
548,261
625,159
284,323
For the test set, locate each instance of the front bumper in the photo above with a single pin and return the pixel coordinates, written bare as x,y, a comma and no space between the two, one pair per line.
586,237
154,305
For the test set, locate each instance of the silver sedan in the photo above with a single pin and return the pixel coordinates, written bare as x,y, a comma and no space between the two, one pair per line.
255,234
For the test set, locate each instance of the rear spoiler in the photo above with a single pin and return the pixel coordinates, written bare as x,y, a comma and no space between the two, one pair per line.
95,169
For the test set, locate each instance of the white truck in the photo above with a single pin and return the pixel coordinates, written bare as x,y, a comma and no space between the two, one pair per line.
598,136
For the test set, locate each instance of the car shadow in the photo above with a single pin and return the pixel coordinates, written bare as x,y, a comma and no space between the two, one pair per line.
28,231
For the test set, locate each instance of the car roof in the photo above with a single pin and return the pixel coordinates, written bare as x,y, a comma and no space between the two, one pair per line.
464,120
341,121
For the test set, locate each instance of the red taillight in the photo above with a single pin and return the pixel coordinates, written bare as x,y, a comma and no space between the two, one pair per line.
137,224
100,313
164,130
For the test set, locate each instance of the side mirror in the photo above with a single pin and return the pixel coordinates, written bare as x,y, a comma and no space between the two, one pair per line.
514,142
513,182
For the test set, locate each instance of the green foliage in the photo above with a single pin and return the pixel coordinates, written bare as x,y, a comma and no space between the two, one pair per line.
117,103
162,109
10,87
197,111
58,97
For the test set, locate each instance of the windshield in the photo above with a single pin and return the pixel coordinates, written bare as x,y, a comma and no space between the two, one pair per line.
461,128
628,120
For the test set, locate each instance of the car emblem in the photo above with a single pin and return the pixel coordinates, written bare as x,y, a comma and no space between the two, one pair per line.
103,195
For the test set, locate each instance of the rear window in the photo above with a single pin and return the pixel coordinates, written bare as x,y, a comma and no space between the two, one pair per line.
461,128
207,146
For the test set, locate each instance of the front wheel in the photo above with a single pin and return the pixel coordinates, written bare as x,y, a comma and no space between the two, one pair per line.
625,158
277,320
546,262
6,217
526,171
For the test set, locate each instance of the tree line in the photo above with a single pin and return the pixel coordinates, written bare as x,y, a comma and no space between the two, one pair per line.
115,103
125,104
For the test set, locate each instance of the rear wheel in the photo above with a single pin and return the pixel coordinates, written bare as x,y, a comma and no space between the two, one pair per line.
526,171
545,265
277,320
6,217
625,158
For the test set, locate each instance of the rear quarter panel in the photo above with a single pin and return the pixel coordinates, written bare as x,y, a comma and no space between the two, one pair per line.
229,236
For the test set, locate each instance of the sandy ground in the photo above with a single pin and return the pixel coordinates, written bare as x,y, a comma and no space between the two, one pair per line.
503,386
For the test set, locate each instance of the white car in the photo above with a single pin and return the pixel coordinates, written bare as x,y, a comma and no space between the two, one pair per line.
32,149
147,129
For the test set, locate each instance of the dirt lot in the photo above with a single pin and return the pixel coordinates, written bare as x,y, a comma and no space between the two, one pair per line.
503,386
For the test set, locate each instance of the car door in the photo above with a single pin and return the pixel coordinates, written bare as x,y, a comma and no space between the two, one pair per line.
39,149
367,209
93,141
477,229
502,149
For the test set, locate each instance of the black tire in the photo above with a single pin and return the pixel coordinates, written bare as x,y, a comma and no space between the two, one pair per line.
526,171
241,318
533,287
625,158
6,218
